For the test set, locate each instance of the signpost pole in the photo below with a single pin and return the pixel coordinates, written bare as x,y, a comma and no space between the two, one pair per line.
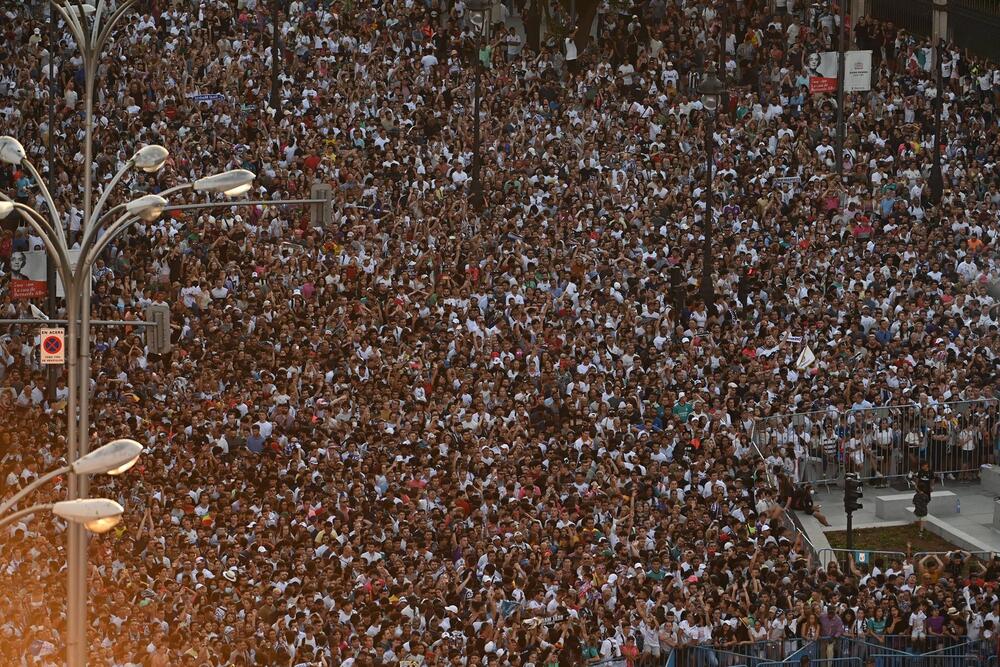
840,88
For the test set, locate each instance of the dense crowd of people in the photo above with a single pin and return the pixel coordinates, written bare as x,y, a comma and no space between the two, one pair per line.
431,433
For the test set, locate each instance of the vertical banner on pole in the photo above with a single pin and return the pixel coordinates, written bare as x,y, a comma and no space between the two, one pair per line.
27,274
821,69
857,71
74,258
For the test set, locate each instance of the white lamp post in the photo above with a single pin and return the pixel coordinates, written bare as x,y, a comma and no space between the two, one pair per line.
91,26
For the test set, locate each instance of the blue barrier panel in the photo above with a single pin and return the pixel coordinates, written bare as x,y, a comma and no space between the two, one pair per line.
818,662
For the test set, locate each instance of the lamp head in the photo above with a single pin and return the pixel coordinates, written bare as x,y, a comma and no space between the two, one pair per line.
11,150
113,458
96,514
151,158
147,207
230,183
74,8
711,89
478,14
6,208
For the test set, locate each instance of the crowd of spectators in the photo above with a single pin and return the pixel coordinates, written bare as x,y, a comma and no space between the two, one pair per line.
423,434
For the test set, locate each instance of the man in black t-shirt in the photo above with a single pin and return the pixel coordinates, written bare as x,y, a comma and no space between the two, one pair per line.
924,480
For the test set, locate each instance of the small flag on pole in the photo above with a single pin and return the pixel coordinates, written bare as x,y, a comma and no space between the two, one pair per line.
806,359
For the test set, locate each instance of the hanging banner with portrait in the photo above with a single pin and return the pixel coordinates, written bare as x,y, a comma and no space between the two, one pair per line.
26,274
821,68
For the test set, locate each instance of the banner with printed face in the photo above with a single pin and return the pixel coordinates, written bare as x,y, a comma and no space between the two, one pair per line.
821,68
26,274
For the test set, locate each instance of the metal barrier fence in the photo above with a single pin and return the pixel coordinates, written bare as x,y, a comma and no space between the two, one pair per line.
884,650
974,25
820,662
860,556
895,660
911,15
884,444
904,650
748,654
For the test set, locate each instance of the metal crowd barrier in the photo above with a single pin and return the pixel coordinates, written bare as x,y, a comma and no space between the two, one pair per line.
885,651
820,662
748,654
895,660
860,556
885,444
610,662
904,651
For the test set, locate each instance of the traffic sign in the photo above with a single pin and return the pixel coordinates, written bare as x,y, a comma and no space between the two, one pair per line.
53,346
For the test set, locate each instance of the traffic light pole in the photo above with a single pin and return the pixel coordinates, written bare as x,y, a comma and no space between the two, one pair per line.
841,97
852,502
850,534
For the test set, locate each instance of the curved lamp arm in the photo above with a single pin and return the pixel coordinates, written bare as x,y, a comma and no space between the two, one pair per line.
53,212
101,33
99,244
102,241
72,22
31,487
38,223
164,193
34,509
90,226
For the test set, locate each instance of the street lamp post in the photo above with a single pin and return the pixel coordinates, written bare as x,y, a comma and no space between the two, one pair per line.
711,89
841,96
936,180
275,50
479,15
91,28
95,238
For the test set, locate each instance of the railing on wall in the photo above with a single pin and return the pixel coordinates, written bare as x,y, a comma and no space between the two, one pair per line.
885,650
911,15
859,556
974,25
885,445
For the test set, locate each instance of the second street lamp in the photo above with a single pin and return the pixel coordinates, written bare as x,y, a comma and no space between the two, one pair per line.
479,16
936,180
230,183
113,458
711,90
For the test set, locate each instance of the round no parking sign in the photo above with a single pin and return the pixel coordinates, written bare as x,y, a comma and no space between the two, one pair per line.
53,346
